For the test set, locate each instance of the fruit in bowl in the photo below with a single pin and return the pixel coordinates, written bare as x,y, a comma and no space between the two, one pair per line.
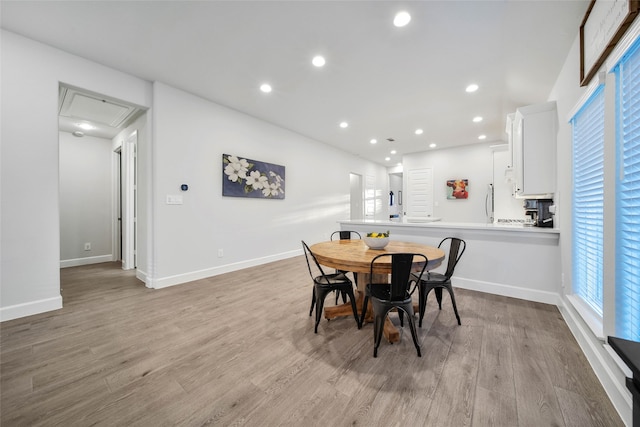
377,240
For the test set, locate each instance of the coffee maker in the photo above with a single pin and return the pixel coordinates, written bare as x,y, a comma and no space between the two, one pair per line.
541,211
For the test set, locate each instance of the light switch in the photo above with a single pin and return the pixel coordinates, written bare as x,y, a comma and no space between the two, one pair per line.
174,199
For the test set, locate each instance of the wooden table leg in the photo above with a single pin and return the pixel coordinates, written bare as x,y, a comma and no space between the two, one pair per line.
390,331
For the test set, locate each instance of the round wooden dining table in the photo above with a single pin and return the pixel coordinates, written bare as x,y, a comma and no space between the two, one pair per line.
355,256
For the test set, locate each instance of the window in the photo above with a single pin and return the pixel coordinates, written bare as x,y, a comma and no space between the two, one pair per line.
588,201
627,292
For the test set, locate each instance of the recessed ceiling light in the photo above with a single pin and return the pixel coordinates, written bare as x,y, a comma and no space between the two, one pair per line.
393,151
344,125
477,119
85,126
433,145
318,61
482,137
401,19
419,131
387,158
374,141
266,88
78,134
472,88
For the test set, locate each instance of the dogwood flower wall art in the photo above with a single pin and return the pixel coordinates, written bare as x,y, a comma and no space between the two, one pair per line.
242,177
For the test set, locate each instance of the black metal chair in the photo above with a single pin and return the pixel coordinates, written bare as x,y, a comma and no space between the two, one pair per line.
345,235
387,296
436,281
323,284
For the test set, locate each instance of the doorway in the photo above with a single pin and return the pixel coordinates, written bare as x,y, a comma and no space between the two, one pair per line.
94,232
395,197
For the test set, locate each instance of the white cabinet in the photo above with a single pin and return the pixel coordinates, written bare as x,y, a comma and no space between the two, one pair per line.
533,146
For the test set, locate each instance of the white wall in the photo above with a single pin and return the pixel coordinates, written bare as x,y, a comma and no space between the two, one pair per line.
191,134
182,143
472,162
85,199
30,223
567,93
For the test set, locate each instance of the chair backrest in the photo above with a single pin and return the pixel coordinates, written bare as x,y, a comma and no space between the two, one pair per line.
401,267
456,249
307,253
346,234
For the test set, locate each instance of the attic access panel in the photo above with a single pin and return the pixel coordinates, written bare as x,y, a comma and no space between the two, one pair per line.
84,106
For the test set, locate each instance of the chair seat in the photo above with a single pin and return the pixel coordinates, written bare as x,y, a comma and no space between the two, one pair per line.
382,292
333,280
431,277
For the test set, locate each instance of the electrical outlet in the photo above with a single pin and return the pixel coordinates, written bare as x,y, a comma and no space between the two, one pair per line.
87,246
220,253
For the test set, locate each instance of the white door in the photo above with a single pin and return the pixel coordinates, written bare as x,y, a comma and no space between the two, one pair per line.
129,189
419,194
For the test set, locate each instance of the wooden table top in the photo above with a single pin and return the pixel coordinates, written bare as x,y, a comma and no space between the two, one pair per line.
354,255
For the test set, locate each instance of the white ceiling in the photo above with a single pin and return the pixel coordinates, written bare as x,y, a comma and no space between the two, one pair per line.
385,81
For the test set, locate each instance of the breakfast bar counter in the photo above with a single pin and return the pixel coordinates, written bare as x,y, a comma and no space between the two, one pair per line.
511,260
416,227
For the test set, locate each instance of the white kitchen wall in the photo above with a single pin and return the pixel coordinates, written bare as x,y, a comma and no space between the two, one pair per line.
30,223
191,134
472,162
85,200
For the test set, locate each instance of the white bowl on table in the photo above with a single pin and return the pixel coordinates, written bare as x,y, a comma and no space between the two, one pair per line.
376,242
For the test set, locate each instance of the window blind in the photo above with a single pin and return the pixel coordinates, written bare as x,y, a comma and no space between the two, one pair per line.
588,200
628,196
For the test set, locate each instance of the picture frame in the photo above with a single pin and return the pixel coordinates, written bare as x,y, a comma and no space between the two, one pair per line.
244,177
457,189
603,25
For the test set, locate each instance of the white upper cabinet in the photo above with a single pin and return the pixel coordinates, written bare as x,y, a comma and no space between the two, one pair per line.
533,146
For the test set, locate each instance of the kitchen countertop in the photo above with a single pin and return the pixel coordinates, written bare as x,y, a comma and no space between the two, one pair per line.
518,228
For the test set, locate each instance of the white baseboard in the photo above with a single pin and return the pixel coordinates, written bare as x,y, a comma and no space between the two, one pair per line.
528,294
178,279
142,276
85,261
30,308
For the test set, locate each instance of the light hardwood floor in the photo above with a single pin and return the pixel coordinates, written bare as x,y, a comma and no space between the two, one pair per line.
239,349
